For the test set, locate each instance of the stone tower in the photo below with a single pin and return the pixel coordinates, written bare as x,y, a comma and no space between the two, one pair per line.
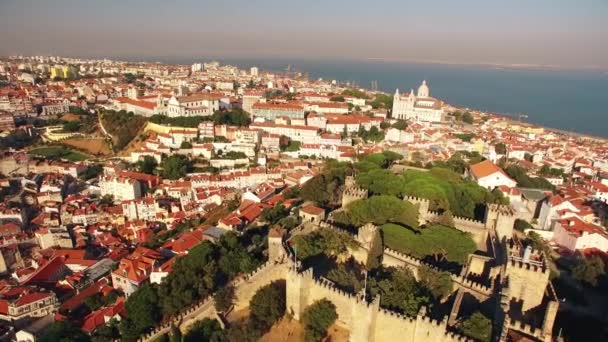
352,192
276,252
527,277
502,219
423,208
366,235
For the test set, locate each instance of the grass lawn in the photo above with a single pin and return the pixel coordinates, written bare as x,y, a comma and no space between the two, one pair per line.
452,244
58,152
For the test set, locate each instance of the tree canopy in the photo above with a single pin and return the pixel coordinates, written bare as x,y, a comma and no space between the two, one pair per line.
147,165
523,180
589,270
268,304
204,330
325,189
398,290
478,327
175,167
382,209
439,242
63,331
122,126
322,241
316,318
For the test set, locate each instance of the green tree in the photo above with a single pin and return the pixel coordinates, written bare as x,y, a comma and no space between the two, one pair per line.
63,331
235,117
441,243
122,126
382,101
107,199
92,171
204,330
383,209
523,180
71,126
467,118
317,318
346,276
325,189
147,165
107,332
355,93
500,148
322,241
398,290
268,305
478,327
175,167
143,312
274,214
337,98
439,283
223,298
185,145
521,225
589,270
381,182
400,124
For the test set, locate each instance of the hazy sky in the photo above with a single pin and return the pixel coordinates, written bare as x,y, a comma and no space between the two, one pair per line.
550,32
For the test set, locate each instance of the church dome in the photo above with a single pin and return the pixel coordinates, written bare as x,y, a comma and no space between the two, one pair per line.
423,90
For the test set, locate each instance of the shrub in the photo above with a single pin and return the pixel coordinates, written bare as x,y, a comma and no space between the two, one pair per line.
317,318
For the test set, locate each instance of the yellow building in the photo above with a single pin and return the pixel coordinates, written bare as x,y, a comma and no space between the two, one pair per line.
62,71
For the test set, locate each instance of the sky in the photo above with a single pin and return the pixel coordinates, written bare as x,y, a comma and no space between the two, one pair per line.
561,33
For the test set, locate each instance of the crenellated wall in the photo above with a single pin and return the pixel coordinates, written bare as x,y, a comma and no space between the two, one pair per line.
247,286
366,321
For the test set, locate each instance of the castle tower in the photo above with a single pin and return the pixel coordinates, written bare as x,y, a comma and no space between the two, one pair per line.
527,279
502,219
366,235
296,292
276,252
352,192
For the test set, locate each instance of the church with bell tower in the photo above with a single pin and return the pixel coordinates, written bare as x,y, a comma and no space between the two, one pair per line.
418,106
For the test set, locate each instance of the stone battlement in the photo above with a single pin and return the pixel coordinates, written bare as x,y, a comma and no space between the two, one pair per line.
331,286
525,328
501,209
477,287
527,266
415,200
331,226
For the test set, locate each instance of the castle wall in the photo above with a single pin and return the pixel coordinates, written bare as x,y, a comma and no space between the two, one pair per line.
365,321
248,286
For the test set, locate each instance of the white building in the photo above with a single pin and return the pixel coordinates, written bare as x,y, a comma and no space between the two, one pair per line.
489,176
399,136
122,188
419,107
575,234
193,105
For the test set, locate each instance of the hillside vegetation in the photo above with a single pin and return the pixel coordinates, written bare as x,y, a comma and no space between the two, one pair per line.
122,126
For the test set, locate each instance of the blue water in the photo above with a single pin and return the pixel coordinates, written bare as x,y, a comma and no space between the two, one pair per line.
568,100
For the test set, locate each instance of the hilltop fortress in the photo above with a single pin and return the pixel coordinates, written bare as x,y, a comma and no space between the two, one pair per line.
512,280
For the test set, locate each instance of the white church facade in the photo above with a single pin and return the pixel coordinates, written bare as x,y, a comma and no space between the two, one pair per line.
417,107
